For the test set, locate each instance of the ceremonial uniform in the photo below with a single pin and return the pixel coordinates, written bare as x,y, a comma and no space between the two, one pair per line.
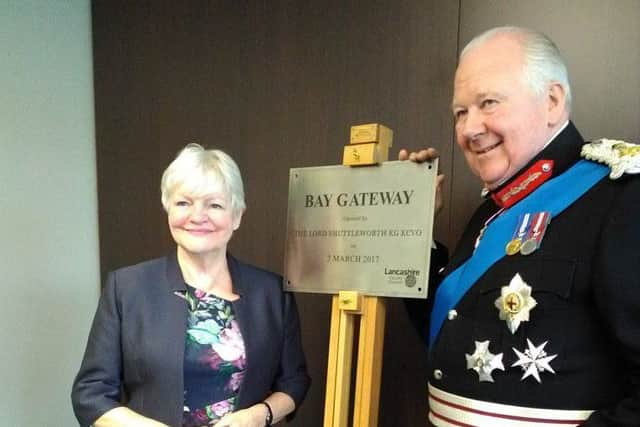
549,335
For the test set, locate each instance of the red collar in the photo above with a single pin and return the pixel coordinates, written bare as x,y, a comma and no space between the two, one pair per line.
524,184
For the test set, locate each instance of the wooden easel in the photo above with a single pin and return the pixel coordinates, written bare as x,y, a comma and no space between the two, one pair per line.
369,145
346,307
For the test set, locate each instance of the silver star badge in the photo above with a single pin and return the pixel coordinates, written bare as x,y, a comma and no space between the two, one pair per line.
534,360
483,361
515,303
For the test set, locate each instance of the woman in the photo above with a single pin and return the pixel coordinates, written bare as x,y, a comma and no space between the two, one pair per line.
196,338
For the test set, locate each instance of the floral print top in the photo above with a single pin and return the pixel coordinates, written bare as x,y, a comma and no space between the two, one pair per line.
214,359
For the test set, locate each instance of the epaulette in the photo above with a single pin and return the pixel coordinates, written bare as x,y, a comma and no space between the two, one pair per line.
622,157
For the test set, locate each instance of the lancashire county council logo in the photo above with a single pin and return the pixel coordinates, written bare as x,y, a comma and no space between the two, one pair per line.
410,281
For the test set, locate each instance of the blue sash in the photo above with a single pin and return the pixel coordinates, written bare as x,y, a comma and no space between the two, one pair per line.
553,196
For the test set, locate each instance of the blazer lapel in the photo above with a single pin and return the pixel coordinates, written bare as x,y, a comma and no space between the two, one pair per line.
242,310
176,331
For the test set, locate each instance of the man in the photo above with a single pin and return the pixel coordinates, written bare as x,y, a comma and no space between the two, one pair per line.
535,319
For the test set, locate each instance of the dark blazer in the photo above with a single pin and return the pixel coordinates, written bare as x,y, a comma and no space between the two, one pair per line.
585,278
135,351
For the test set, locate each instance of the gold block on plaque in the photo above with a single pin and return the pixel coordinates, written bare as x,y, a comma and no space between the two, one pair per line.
372,132
349,300
365,154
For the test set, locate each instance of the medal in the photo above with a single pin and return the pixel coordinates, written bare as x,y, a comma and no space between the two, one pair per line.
528,247
484,228
534,360
483,361
514,245
515,303
535,233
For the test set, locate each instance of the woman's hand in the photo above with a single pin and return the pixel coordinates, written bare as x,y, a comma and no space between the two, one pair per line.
125,417
424,156
255,416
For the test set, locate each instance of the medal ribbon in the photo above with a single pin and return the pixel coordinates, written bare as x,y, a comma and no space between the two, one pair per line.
541,220
521,231
554,196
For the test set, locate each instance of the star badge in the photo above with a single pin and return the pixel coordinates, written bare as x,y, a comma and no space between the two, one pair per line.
515,303
483,361
534,360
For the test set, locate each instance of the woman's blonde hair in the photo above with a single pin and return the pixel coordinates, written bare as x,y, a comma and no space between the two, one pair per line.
195,167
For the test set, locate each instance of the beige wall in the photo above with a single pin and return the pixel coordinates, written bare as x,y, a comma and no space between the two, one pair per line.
48,212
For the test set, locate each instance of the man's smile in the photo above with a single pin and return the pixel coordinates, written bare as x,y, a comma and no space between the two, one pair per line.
487,149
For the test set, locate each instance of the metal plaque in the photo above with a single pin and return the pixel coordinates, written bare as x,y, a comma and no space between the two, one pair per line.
365,229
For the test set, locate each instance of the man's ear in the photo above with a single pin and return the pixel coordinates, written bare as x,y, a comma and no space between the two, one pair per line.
556,108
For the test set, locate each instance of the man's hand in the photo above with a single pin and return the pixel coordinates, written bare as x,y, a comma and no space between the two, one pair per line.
421,157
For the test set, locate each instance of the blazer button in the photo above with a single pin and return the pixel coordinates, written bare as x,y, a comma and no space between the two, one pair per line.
452,315
437,374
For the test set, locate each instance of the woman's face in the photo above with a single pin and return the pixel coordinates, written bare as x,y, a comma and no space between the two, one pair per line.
202,223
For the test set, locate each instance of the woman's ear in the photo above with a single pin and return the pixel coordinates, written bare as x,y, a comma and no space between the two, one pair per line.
237,219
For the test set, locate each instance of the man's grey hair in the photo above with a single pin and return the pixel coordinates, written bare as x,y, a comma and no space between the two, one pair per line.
543,62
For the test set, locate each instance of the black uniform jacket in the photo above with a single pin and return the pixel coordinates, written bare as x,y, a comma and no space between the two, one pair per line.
135,351
585,278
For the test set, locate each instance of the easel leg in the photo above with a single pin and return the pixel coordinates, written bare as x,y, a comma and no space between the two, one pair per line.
336,411
369,370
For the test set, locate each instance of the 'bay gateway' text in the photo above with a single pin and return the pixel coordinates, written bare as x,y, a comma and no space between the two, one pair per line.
377,198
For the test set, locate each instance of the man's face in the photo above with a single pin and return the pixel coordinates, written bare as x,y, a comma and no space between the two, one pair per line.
500,123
